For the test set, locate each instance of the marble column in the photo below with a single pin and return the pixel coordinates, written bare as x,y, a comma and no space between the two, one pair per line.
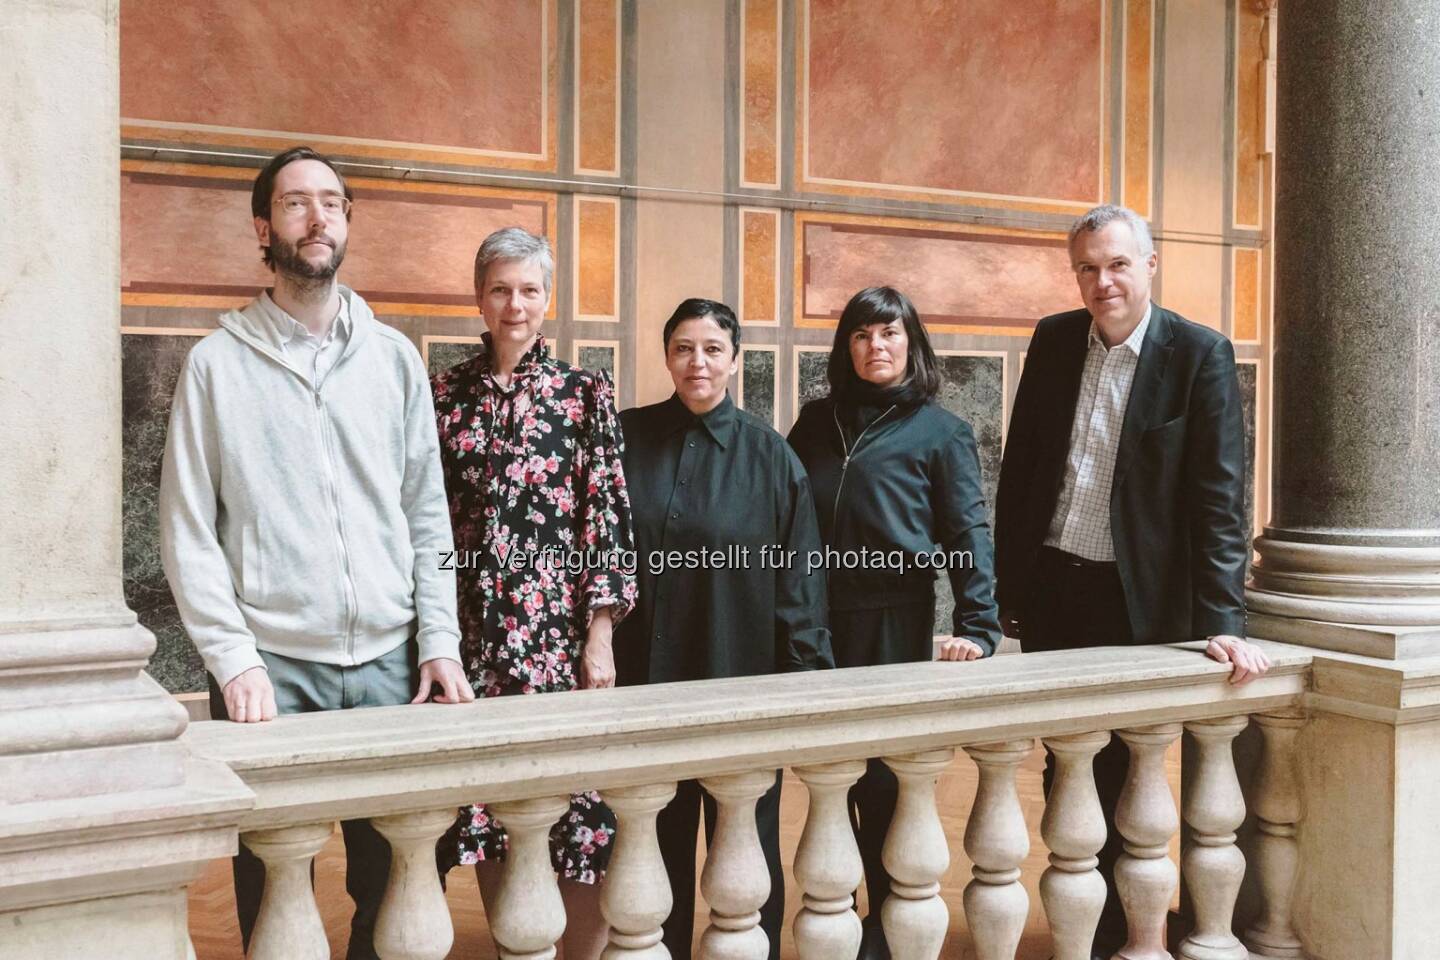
88,739
1351,557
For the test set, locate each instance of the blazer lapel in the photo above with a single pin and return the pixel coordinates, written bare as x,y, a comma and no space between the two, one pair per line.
1154,357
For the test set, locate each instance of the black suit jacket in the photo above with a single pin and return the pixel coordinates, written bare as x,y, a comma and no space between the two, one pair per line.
1177,507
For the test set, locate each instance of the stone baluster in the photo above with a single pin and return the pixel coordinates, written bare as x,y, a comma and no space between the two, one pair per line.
528,916
736,880
1145,878
1277,857
1214,866
636,895
1074,829
414,920
288,926
996,839
827,864
916,855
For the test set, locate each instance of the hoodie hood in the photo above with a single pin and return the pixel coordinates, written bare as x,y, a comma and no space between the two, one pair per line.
253,326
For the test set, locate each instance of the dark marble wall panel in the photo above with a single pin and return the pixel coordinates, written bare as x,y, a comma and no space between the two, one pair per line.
973,388
441,355
596,357
758,376
810,381
1248,392
150,366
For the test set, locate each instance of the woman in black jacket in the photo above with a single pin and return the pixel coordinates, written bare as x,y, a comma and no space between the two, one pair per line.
898,495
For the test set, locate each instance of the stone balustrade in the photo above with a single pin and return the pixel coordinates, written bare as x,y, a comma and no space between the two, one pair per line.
408,768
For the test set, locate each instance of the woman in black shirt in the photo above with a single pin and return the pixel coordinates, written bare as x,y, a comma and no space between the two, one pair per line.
898,492
720,505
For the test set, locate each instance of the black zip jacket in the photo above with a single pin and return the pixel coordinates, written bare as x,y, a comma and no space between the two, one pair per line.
906,501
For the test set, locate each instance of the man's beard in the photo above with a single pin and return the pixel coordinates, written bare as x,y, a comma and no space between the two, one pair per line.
286,258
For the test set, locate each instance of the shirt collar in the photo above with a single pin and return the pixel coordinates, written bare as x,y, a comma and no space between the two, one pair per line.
530,361
287,329
1135,341
720,423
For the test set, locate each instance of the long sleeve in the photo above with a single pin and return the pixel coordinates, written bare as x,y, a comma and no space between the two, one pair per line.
606,523
1219,542
422,498
801,612
962,529
1016,476
190,550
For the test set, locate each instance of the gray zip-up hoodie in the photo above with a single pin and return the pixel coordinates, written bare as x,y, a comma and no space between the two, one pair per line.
303,521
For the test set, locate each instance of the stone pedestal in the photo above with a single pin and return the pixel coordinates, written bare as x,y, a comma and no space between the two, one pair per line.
1369,776
103,816
1351,558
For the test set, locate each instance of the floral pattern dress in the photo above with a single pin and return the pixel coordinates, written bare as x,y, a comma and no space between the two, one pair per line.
533,475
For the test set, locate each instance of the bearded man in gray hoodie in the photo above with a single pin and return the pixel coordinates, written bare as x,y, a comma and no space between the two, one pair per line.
302,506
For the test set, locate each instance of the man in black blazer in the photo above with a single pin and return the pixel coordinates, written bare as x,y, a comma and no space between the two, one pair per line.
1120,516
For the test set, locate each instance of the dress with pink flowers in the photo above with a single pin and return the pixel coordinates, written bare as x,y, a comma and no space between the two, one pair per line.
542,533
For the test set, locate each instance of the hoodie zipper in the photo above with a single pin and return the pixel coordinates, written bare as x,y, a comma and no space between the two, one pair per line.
849,452
352,600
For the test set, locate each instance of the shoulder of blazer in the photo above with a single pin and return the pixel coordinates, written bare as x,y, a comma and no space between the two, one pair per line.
1059,328
1186,335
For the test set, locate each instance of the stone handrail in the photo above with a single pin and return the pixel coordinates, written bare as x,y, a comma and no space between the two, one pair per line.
409,767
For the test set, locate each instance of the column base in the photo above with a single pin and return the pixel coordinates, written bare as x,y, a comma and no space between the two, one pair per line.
105,817
82,718
1375,600
1366,640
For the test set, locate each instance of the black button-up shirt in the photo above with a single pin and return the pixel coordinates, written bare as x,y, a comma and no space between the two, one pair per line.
723,521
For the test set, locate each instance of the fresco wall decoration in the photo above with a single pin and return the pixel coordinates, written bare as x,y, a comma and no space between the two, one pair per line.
424,81
937,147
960,279
190,239
1038,137
758,301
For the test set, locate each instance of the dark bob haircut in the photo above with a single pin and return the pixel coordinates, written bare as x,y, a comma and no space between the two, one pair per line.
882,305
699,307
263,193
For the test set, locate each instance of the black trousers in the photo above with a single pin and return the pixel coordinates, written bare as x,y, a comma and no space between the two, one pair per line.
872,807
1074,604
305,688
676,826
898,634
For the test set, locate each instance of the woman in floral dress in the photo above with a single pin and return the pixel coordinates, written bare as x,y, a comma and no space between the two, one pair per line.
531,450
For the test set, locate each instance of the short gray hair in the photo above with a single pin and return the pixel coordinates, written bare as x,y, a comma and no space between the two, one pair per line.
513,243
1098,218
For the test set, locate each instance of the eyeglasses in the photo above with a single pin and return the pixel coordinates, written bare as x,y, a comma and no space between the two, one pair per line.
298,204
